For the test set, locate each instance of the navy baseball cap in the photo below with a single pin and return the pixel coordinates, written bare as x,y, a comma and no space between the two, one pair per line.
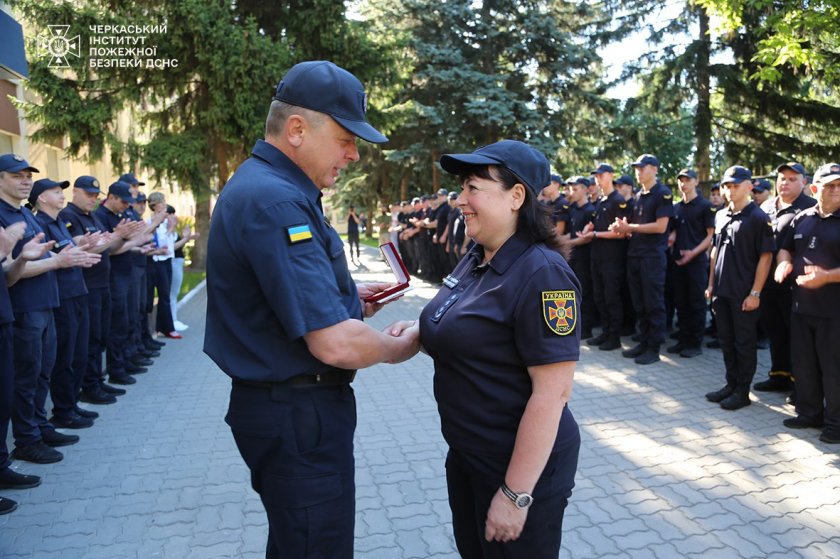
690,173
827,173
602,168
88,184
322,86
442,192
43,185
121,190
453,195
140,197
129,178
579,180
736,174
625,179
556,178
792,166
761,185
527,163
15,163
646,159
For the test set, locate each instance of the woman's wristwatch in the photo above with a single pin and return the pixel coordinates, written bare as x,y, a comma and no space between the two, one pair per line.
521,500
756,294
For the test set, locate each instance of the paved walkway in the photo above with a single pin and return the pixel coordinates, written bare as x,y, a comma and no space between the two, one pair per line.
662,472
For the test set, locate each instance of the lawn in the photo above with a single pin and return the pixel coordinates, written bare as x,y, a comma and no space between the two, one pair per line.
191,279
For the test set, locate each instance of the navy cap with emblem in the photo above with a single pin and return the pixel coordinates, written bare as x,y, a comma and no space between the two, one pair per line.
579,180
646,159
12,163
129,178
792,166
527,163
88,184
602,168
442,192
827,173
736,174
557,179
690,173
761,185
322,86
43,185
141,197
625,179
121,190
453,195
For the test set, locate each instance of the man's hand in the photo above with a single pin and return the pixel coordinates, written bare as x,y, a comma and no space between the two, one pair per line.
369,290
620,226
685,258
73,256
9,237
750,303
35,249
813,278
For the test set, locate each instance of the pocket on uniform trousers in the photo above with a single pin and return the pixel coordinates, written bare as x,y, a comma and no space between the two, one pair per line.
299,492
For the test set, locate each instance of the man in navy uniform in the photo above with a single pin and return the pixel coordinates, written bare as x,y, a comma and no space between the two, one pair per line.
581,213
284,318
552,196
777,298
810,253
762,189
646,260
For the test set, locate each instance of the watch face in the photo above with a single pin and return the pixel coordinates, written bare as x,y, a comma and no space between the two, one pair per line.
524,501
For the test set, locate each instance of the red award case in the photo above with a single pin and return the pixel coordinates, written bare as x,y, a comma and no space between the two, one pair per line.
392,257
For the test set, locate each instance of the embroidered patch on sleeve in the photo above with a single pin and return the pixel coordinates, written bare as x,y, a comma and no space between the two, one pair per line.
560,311
298,233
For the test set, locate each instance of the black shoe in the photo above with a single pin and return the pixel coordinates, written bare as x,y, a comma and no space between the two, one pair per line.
121,379
112,390
97,397
674,335
648,357
149,354
677,347
610,344
737,400
586,333
776,383
830,437
132,369
802,422
152,347
691,351
86,413
73,422
54,438
713,344
635,351
791,399
39,453
141,362
719,395
636,337
157,343
7,506
10,479
598,340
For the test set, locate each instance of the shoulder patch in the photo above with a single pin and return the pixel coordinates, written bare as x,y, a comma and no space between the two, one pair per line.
713,209
668,196
560,311
622,206
298,233
69,225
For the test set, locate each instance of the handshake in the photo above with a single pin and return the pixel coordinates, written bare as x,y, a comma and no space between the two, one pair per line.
408,331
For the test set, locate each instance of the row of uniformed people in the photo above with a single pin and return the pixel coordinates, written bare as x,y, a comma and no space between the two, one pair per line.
71,296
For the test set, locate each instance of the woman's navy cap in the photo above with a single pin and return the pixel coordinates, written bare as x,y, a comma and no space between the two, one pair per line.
736,174
40,186
15,163
121,190
326,88
527,163
88,184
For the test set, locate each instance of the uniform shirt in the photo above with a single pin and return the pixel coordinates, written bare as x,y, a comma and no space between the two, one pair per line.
781,218
455,236
485,331
71,281
815,240
275,271
138,259
38,293
79,223
691,222
120,263
648,207
7,315
579,217
559,210
740,239
441,216
607,210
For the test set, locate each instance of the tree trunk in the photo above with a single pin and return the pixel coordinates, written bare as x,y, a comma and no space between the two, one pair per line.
404,188
703,117
435,172
202,225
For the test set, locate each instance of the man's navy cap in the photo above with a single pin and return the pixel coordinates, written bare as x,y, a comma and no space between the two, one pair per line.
129,178
690,173
715,186
579,180
646,159
761,185
326,88
141,197
556,178
522,160
736,174
793,166
15,163
121,190
827,173
602,168
88,184
625,179
425,198
43,185
442,192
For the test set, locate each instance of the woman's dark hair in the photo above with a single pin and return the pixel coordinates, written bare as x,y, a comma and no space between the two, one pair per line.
535,222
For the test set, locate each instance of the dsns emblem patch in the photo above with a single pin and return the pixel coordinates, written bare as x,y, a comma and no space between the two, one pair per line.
559,311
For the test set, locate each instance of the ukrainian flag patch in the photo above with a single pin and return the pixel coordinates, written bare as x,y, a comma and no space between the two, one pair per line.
298,233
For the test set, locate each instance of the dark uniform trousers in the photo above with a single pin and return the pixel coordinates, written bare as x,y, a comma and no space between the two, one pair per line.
118,334
816,366
775,311
163,283
146,307
34,358
583,271
99,315
738,338
72,327
647,287
608,281
134,298
690,283
298,444
7,388
473,481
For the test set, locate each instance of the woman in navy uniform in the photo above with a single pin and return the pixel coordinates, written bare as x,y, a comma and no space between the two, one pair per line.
504,335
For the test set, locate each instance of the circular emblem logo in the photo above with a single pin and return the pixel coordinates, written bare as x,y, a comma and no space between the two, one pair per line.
17,158
95,183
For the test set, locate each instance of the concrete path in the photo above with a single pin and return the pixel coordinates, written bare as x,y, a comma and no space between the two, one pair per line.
662,472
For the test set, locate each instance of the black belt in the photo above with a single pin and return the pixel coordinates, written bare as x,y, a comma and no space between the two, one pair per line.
335,377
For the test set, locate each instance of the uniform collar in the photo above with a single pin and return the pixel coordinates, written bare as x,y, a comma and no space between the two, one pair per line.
746,210
45,218
73,207
8,207
276,158
506,255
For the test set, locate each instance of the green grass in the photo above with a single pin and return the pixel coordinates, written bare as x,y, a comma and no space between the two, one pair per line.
373,243
191,279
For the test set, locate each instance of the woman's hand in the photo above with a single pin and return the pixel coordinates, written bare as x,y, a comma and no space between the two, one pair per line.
505,520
